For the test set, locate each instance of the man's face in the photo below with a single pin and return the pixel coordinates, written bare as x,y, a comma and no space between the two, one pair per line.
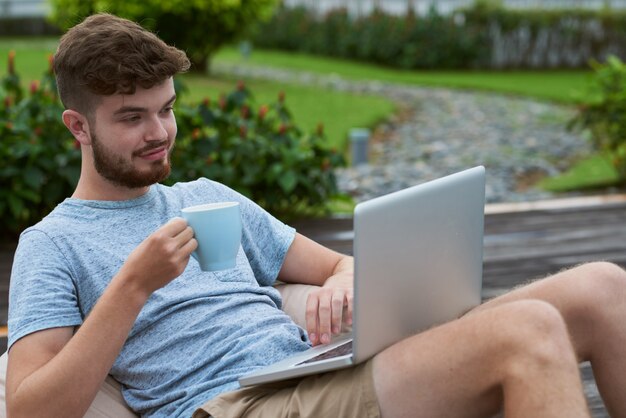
134,135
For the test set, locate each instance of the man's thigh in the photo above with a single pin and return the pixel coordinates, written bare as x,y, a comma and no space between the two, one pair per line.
457,369
578,293
347,393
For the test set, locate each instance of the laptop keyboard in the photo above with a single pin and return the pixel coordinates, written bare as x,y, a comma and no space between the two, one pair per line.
340,350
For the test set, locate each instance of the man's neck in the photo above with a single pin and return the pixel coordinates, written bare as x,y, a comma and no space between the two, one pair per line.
105,190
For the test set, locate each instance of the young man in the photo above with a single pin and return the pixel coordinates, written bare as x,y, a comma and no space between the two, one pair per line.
105,284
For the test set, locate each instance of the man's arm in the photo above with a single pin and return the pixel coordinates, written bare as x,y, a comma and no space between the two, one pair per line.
55,373
308,262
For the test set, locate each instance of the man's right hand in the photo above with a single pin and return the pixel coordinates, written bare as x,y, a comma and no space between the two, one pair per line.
161,257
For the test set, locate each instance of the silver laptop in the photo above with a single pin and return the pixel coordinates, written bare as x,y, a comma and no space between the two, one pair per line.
418,263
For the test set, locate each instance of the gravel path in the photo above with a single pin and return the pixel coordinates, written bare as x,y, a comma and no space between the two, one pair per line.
518,141
441,131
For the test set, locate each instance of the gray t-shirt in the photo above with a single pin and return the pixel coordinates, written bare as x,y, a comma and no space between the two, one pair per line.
195,336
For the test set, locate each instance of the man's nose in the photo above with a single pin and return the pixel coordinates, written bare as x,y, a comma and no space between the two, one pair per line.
155,130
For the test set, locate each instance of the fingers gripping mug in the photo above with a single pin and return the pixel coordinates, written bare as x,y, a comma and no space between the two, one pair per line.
217,228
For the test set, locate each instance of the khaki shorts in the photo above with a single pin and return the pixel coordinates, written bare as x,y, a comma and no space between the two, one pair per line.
346,393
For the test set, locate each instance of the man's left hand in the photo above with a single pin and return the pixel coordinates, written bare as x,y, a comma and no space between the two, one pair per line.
329,307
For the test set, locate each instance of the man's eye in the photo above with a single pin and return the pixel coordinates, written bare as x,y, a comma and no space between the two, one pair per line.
134,118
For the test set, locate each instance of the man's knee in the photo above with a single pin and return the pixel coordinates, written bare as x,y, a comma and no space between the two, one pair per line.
534,335
603,282
612,276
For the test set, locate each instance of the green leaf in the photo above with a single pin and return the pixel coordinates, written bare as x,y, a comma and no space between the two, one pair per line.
34,177
288,181
52,193
29,195
16,206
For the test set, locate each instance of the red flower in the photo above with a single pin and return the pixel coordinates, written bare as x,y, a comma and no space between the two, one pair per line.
38,131
8,102
245,111
195,134
243,131
209,160
206,102
34,86
263,111
281,97
241,86
282,129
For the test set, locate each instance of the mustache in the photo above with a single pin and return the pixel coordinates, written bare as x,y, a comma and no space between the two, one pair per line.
150,147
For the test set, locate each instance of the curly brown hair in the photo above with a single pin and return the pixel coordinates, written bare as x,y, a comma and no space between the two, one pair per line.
105,55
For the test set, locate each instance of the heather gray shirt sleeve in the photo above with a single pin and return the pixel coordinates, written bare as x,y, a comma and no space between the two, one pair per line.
42,292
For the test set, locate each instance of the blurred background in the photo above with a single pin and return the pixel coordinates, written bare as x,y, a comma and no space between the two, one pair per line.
311,106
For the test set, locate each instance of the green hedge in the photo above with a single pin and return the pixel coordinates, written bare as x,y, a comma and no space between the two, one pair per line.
259,152
27,26
408,42
483,36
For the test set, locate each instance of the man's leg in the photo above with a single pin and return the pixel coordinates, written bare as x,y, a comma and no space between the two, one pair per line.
518,355
592,300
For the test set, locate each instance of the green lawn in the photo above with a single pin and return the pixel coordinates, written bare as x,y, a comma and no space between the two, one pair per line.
338,112
31,58
558,86
595,172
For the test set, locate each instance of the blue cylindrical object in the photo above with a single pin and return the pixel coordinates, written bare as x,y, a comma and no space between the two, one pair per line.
359,138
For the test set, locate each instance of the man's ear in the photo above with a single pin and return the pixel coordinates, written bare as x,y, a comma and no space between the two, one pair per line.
78,125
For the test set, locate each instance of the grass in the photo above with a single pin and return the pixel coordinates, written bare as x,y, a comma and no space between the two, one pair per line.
559,86
31,58
595,172
338,112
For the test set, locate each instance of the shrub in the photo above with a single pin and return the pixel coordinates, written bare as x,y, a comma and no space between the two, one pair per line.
39,160
198,27
259,152
483,35
431,41
602,110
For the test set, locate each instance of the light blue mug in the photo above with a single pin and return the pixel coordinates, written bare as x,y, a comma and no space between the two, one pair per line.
217,228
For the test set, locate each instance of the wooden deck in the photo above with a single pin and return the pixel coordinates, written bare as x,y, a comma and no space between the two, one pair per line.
522,242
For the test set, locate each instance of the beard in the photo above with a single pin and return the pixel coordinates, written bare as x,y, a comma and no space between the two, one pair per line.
122,172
